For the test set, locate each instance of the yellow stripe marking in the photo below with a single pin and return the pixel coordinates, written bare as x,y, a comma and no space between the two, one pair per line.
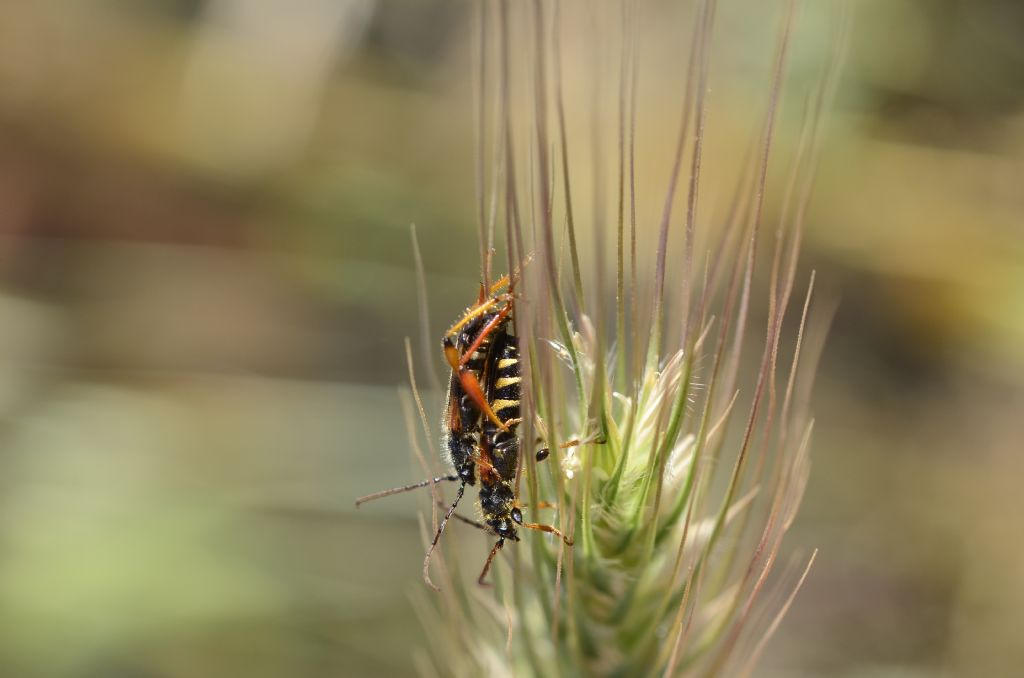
507,381
499,405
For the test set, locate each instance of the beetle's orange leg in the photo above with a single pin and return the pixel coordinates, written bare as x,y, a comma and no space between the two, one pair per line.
472,313
477,311
499,284
548,528
487,470
517,516
472,388
470,384
484,331
490,559
509,280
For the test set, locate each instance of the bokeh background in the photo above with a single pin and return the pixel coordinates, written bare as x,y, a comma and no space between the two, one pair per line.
206,279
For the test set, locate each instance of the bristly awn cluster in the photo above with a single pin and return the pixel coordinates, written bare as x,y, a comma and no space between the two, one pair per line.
628,342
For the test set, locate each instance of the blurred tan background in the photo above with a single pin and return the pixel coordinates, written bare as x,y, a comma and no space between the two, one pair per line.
206,279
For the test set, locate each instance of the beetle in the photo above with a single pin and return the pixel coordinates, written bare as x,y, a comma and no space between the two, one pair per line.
481,419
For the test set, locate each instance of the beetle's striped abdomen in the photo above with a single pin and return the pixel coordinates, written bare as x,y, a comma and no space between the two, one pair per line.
504,392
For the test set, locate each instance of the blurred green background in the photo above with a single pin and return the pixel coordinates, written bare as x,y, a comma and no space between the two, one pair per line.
206,279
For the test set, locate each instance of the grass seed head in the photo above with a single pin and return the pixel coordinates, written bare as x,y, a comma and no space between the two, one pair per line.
688,470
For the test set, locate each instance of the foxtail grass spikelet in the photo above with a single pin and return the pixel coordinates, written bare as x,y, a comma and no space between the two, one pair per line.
690,470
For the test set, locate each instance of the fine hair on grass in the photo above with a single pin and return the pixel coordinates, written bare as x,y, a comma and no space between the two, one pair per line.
674,337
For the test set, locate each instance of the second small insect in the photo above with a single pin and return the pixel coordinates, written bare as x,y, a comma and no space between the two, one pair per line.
485,388
481,420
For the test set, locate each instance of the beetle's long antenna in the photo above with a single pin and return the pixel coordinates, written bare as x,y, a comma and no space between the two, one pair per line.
437,537
469,521
404,488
